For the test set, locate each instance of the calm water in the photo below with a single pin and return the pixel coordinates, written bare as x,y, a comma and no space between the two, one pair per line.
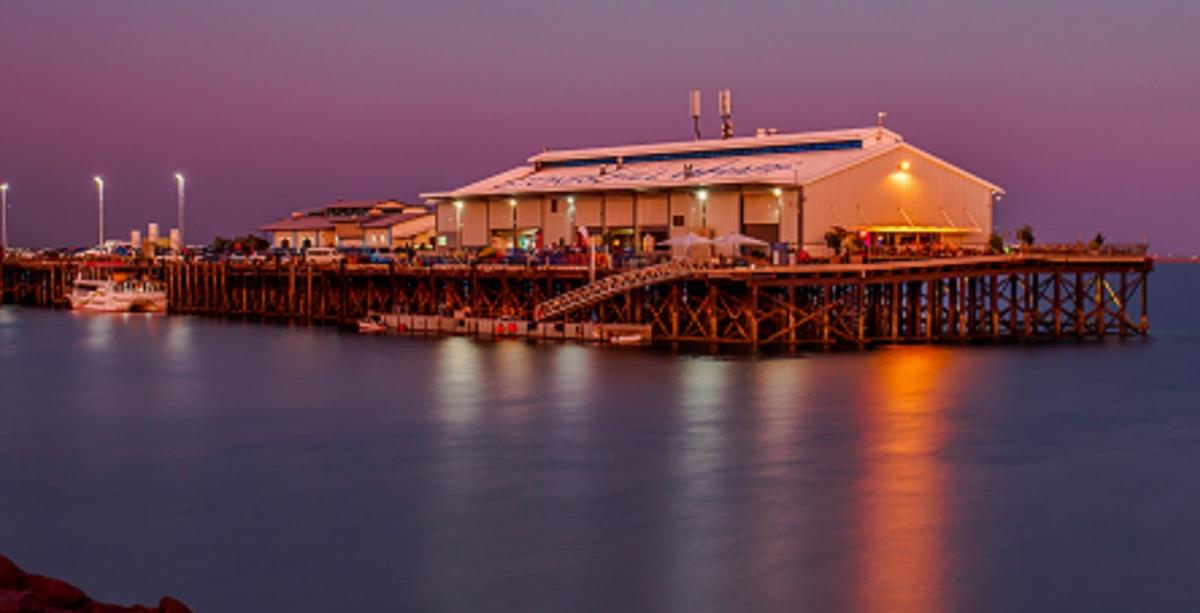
247,467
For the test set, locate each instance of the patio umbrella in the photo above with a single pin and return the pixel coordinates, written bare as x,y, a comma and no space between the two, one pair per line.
739,240
689,240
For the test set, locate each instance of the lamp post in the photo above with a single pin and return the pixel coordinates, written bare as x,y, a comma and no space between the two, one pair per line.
179,207
512,207
100,206
4,217
458,238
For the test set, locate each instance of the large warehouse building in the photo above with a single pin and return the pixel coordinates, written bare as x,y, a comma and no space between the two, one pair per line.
781,188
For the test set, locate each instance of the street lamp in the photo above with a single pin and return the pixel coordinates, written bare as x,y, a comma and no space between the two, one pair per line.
512,209
458,209
179,206
100,205
4,216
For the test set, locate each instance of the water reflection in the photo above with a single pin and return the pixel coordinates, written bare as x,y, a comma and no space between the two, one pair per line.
572,386
459,382
698,529
99,332
903,487
513,392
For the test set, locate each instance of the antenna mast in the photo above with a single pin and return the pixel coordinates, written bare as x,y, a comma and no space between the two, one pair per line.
694,103
725,105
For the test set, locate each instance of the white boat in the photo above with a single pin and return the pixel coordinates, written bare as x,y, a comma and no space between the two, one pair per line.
626,339
372,324
118,296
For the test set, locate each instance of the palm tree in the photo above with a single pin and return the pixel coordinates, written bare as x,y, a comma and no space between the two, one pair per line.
834,238
1025,235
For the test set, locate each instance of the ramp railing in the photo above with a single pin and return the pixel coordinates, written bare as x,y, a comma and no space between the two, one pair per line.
603,289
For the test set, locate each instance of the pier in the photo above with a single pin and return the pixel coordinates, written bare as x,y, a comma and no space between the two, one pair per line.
1038,296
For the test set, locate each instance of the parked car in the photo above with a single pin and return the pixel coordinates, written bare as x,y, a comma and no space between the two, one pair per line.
323,255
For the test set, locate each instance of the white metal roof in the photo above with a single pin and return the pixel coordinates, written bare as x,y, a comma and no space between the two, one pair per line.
781,159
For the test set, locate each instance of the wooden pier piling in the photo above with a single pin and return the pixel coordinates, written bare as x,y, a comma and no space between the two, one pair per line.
996,298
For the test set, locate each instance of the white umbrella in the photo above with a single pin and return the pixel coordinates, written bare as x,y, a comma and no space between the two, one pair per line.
739,240
689,240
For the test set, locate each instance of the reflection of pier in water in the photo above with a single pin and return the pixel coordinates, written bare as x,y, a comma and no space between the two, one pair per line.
995,298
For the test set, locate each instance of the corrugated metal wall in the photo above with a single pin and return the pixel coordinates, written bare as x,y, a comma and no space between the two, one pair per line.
875,192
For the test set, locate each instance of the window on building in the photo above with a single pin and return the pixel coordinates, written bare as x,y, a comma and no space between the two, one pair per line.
677,221
553,205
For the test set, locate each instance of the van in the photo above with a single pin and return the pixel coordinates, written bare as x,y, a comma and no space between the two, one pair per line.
323,255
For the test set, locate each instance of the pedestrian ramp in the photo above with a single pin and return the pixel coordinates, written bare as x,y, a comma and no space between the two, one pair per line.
613,285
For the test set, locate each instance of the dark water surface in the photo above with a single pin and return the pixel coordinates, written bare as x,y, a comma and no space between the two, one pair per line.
246,467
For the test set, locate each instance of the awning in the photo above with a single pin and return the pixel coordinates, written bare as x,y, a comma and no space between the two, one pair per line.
916,230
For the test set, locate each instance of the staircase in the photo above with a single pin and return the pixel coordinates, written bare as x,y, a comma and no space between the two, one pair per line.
606,288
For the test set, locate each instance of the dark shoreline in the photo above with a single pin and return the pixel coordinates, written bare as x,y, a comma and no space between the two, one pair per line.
22,592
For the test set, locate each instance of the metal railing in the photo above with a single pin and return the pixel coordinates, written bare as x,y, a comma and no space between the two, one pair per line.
610,286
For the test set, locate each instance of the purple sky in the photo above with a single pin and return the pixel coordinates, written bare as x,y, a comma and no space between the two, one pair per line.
1087,112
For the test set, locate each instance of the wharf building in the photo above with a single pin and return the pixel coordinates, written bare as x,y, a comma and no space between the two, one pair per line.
374,224
785,189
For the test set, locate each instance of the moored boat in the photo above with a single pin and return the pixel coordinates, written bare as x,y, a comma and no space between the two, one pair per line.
626,339
372,324
118,295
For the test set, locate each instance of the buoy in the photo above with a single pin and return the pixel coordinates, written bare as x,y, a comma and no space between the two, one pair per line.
512,328
401,328
499,328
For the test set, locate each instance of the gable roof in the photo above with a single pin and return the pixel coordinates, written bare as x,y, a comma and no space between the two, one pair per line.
308,222
788,159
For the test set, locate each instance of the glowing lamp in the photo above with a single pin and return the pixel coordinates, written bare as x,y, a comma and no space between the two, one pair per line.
905,166
778,192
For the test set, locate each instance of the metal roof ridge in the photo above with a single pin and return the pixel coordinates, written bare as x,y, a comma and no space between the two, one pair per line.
714,144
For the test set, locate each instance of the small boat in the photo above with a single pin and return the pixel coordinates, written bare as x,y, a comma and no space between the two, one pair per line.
626,339
372,324
117,295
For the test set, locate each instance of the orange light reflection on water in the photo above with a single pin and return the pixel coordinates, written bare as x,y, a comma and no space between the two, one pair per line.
903,488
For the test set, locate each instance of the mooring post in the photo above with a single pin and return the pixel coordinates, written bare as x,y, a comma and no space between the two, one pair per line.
995,306
751,313
1032,298
826,299
1014,304
291,297
710,309
931,298
673,307
894,308
1122,317
861,308
1145,322
1080,316
1057,304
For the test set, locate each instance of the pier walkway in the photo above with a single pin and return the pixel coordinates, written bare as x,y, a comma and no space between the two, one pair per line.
1021,297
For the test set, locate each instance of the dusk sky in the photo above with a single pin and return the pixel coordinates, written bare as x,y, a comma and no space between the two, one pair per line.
1087,113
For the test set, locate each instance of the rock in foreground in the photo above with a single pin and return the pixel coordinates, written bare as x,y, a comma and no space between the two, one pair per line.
21,592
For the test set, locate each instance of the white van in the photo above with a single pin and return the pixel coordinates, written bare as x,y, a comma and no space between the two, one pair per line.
323,255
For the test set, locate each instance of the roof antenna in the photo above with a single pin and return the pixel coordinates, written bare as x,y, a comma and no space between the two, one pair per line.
879,117
694,99
725,106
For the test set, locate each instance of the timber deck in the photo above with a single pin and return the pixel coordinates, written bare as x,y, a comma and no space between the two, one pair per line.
1030,297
